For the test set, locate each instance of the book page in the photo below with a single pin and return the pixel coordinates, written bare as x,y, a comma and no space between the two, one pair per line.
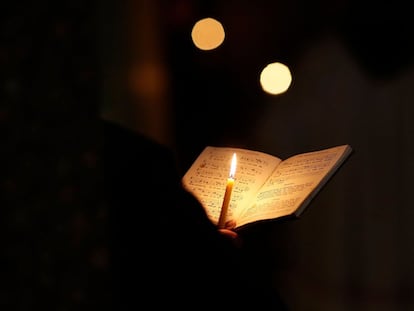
207,178
294,182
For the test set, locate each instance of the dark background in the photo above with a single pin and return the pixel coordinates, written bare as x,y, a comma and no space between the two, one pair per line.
64,64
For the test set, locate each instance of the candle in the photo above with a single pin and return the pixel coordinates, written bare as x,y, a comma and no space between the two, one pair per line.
227,193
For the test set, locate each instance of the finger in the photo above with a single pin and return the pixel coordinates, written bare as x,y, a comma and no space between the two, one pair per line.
230,224
230,233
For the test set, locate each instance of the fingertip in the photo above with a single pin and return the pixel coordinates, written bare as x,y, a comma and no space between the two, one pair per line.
230,224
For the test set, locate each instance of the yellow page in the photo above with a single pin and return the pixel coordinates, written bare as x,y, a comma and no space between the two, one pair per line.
292,184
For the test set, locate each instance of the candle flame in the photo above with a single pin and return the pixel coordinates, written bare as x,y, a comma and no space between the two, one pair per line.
233,166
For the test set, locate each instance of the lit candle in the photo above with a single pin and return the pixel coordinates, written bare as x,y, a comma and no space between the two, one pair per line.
227,194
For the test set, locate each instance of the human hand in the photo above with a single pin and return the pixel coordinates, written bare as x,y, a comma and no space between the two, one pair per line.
228,232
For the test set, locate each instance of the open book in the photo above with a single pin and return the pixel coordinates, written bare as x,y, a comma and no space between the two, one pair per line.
265,187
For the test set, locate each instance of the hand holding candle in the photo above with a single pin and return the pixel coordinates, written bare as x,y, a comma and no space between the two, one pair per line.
227,194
